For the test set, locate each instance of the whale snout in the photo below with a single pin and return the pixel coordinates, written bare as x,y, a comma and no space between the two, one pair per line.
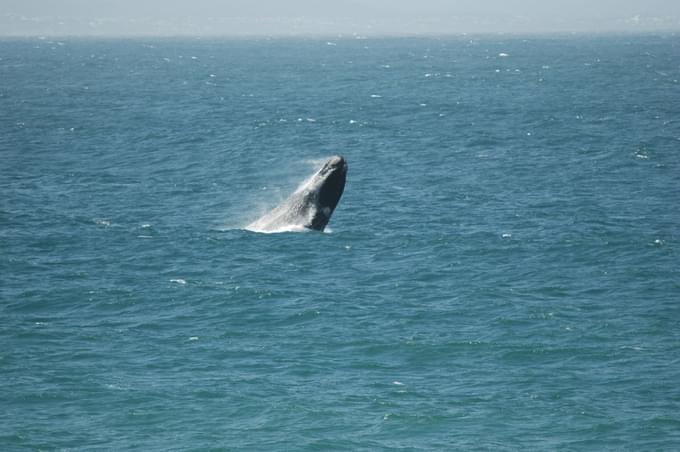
335,163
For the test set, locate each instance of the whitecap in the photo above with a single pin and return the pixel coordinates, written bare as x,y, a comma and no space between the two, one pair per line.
503,55
178,281
636,348
283,228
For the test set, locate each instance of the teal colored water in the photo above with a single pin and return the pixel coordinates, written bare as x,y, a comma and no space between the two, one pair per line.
502,272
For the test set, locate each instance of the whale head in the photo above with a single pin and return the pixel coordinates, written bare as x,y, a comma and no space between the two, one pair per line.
326,186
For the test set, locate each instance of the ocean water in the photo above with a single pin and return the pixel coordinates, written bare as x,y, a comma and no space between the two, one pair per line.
502,271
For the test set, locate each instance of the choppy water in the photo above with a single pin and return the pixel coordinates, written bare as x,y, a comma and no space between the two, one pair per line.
502,271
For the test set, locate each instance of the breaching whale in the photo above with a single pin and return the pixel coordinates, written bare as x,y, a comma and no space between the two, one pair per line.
311,205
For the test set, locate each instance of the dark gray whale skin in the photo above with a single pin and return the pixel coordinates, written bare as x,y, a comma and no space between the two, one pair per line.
311,205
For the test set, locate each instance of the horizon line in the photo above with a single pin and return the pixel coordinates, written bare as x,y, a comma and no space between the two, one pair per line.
342,36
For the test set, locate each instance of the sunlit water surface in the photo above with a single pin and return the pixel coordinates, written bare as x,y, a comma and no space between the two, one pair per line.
502,272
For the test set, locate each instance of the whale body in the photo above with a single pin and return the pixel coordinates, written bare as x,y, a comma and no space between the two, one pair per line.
311,205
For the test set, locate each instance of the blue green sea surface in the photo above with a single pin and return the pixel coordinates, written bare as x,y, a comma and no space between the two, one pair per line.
502,271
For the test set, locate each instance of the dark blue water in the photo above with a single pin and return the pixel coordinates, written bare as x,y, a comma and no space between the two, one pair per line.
502,272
